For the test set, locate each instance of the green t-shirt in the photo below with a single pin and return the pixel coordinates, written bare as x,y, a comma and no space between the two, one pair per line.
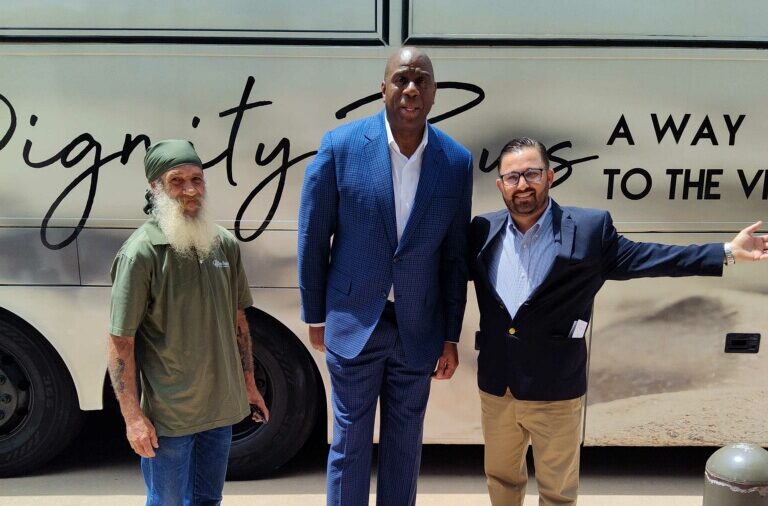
183,314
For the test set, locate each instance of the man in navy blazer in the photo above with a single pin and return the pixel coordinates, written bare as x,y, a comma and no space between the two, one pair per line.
537,267
383,233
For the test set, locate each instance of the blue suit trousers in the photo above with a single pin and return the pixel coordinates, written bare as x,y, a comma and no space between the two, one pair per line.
380,372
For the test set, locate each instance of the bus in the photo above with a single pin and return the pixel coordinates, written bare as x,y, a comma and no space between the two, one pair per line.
656,111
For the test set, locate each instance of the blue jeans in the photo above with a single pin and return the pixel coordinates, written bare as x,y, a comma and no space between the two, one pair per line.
188,470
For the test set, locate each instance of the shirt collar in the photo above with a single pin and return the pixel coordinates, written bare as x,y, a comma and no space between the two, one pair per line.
155,233
544,221
391,138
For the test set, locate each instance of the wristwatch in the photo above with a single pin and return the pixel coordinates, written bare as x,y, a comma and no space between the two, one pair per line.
729,260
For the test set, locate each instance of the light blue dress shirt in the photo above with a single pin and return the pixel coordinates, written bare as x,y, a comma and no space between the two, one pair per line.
520,262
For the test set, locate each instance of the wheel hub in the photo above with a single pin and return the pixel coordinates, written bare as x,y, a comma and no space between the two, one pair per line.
14,395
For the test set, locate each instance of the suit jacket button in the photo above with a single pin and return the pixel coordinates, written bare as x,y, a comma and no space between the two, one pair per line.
511,331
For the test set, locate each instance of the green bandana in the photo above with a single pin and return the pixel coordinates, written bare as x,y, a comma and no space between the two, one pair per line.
162,156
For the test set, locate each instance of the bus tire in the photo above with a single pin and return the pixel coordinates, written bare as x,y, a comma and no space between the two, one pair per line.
39,412
285,375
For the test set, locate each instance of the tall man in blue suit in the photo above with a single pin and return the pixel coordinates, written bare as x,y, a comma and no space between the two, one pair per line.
383,228
537,268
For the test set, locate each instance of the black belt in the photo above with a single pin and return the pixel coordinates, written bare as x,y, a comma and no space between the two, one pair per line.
389,311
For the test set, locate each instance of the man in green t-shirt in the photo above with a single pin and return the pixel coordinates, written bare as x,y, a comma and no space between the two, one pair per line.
177,317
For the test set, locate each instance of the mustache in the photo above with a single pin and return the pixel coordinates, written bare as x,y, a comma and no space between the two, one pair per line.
183,199
178,203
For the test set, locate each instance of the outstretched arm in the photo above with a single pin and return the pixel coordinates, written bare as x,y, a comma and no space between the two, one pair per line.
625,259
121,362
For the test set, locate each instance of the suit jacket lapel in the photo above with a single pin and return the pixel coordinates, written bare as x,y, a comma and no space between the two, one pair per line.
563,228
496,222
376,152
431,162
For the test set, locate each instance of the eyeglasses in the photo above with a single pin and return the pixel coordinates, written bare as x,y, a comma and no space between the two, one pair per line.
511,179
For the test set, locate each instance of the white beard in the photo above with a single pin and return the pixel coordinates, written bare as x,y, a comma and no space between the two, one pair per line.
186,235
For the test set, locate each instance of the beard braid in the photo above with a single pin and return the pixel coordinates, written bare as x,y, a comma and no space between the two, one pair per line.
186,235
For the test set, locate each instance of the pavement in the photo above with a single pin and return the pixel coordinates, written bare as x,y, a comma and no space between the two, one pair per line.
100,469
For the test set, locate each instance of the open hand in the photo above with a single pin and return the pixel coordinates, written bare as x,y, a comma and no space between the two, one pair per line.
748,247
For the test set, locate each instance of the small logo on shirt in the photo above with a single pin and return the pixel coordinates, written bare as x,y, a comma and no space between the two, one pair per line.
221,264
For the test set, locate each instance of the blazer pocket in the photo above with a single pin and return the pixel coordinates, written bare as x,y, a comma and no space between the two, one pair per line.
566,355
555,355
340,281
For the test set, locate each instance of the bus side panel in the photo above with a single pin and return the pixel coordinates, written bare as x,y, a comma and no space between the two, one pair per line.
658,373
75,321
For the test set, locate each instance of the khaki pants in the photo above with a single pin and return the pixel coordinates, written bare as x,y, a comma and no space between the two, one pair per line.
554,430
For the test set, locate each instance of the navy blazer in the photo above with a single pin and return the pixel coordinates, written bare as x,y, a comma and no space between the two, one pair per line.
348,196
532,353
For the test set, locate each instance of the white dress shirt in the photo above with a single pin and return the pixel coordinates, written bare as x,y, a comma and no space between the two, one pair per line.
405,180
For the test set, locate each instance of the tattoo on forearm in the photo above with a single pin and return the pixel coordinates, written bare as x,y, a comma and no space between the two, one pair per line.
117,371
244,346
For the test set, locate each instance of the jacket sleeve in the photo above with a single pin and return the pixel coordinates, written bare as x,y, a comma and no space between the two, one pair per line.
317,223
624,259
453,262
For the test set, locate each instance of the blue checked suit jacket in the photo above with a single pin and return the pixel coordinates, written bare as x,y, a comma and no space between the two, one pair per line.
349,255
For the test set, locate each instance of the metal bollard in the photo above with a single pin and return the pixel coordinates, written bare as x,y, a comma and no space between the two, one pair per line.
737,475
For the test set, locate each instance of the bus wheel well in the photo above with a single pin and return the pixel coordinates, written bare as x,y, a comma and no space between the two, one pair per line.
40,414
289,381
